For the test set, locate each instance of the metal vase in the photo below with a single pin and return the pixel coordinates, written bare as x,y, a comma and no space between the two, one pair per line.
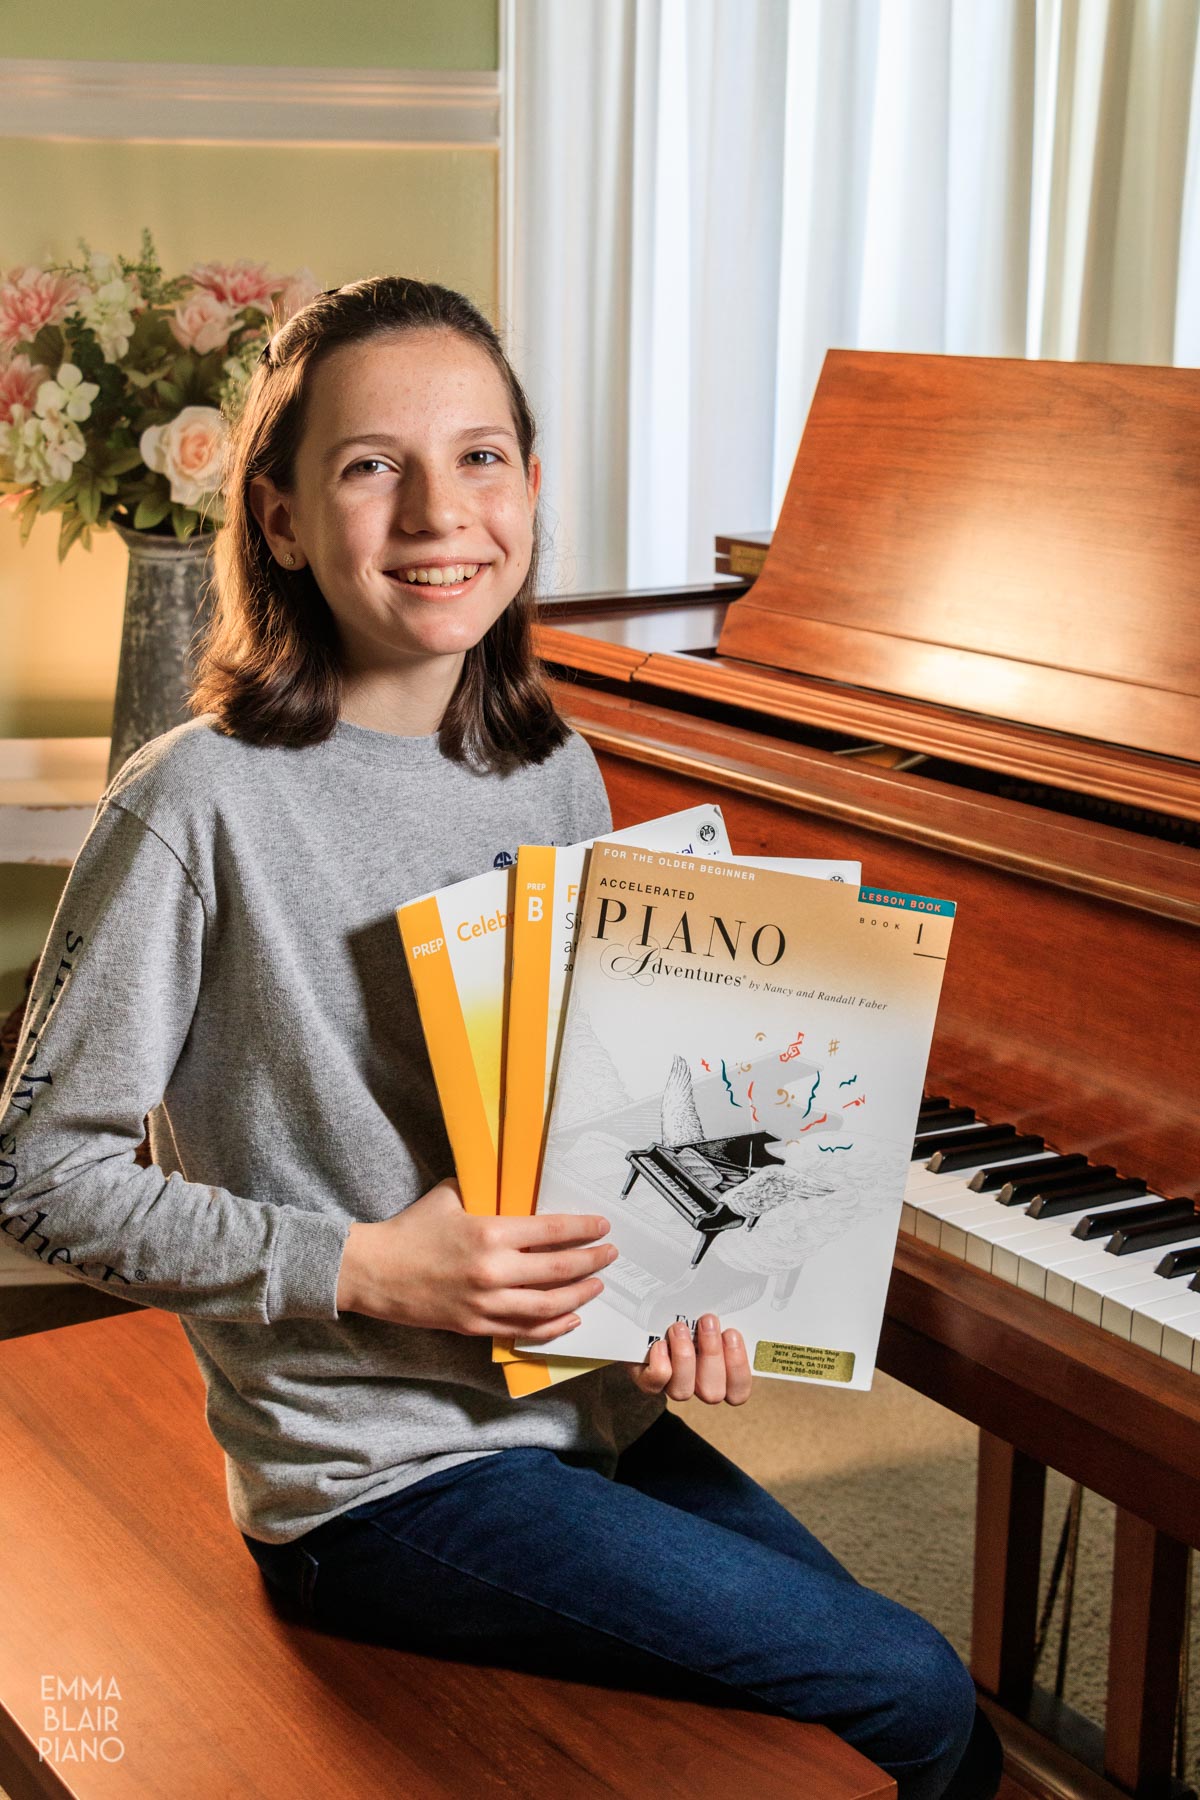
168,603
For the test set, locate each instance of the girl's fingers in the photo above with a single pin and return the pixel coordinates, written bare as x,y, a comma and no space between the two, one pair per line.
544,1271
544,1333
710,1375
522,1306
739,1376
682,1384
547,1231
653,1375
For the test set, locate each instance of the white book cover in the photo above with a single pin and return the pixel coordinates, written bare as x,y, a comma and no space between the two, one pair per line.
740,1073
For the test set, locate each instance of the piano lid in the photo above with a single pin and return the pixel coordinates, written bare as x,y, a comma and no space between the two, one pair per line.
1015,539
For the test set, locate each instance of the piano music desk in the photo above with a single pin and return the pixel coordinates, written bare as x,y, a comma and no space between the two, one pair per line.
119,1562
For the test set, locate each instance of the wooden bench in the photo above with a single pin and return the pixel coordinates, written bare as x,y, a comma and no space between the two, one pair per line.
119,1563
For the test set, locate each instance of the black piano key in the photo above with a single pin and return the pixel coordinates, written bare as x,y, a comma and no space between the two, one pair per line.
929,1141
1194,1284
1157,1212
946,1119
1031,1185
1180,1262
943,1162
1103,1192
1150,1236
1015,1174
932,1103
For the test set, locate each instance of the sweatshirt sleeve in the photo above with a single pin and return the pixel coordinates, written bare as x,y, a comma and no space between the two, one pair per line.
109,1013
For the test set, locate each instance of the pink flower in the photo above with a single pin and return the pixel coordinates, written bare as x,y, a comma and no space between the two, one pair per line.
239,284
202,322
297,291
31,298
19,383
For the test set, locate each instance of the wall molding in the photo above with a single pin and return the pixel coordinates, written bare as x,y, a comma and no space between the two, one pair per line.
201,103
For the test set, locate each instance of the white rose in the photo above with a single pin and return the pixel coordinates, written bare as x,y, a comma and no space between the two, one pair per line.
189,452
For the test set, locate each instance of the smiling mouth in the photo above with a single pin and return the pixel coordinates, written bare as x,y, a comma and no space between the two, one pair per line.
439,583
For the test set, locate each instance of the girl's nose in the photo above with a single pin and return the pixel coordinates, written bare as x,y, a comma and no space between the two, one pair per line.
430,500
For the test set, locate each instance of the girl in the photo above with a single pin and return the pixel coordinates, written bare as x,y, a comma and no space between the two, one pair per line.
371,724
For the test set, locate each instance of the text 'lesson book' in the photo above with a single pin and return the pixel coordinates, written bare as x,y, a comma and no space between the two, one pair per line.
740,1072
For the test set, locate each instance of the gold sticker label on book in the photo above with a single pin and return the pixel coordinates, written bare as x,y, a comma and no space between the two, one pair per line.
803,1359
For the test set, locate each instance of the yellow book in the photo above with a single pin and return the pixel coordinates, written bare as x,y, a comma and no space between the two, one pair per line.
456,946
544,930
554,876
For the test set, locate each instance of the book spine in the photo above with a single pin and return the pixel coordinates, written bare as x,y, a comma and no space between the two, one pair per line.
445,1030
528,1017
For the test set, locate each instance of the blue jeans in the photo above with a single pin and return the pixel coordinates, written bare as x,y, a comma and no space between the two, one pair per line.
678,1573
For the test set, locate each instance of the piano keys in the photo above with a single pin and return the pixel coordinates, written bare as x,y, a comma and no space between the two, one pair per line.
1131,1297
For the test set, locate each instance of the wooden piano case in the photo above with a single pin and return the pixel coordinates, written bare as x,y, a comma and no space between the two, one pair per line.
994,568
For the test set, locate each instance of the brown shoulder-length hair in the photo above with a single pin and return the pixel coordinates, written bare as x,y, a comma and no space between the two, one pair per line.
269,664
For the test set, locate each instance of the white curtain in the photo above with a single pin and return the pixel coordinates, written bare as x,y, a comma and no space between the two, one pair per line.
701,196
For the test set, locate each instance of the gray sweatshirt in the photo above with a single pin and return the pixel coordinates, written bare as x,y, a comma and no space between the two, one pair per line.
225,959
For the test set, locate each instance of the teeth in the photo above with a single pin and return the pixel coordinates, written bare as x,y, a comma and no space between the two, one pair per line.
441,577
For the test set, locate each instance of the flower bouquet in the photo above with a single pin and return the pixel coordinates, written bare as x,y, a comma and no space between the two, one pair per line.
117,385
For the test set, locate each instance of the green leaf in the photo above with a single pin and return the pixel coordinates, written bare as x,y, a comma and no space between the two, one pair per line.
27,513
123,461
150,513
57,494
167,391
89,502
48,347
184,521
73,527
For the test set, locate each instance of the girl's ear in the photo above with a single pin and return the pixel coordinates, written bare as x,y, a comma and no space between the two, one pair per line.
273,510
533,482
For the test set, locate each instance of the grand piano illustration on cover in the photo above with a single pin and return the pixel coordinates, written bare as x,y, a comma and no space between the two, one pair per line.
709,1218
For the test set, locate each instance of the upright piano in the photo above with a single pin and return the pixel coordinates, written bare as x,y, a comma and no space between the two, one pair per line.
972,660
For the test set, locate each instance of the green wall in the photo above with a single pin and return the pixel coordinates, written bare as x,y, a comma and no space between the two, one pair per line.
354,34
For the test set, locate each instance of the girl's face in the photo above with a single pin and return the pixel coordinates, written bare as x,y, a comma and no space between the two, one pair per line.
409,465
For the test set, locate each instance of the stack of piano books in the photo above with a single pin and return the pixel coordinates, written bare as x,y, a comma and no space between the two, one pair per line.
723,1056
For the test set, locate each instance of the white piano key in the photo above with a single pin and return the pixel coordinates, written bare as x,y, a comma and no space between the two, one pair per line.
1109,1274
1152,1318
1044,1261
1028,1234
1119,1308
1179,1341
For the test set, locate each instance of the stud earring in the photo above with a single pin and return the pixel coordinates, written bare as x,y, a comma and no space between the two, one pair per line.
289,559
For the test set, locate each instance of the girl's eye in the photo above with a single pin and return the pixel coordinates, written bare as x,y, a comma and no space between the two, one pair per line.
492,453
367,462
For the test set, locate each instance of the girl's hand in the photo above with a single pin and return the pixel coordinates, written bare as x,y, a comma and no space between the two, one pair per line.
714,1368
436,1265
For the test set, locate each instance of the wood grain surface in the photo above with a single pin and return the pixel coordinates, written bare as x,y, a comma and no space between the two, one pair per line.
1020,538
119,1560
